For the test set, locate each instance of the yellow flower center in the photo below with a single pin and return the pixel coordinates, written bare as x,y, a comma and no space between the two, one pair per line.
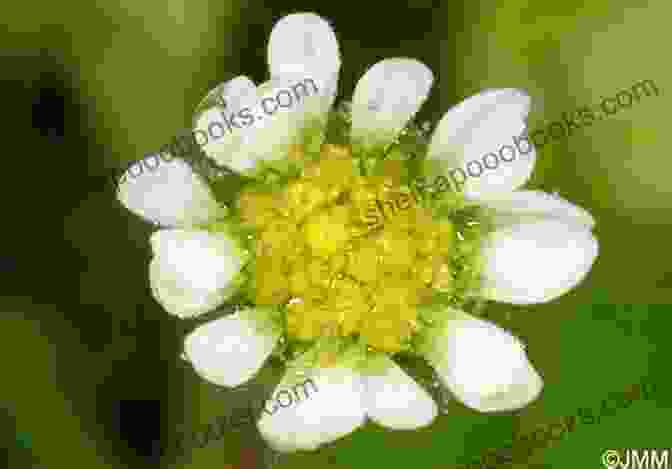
347,254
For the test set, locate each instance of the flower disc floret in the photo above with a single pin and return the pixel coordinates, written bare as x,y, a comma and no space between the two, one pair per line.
352,255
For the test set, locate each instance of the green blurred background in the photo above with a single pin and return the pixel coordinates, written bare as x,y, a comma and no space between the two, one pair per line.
92,375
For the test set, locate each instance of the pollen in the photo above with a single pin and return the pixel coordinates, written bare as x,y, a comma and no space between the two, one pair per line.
349,255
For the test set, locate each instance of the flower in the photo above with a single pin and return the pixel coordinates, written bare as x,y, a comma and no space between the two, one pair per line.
337,263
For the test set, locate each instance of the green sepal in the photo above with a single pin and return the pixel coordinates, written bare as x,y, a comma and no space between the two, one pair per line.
377,165
348,353
367,156
312,136
339,124
412,142
265,318
354,356
239,233
278,172
376,363
436,316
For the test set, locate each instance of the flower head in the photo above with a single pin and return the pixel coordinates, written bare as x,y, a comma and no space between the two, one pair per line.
340,259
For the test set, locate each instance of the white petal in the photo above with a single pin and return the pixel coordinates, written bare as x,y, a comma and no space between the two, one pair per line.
230,350
168,193
303,42
334,410
396,401
193,272
471,112
220,129
491,123
521,206
303,49
269,121
506,176
484,366
387,97
536,262
276,128
232,94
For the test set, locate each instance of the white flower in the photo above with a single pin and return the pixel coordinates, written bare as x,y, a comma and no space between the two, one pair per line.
232,340
302,51
484,366
479,125
167,192
387,97
543,246
535,262
335,410
540,247
342,401
193,270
